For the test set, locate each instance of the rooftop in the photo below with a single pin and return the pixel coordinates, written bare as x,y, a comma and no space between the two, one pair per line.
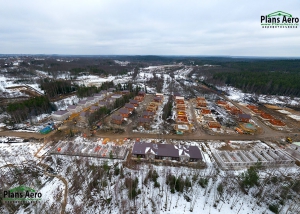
124,111
72,107
244,116
166,150
128,105
117,117
61,112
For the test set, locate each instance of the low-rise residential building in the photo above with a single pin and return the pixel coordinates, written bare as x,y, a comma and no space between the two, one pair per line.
221,103
275,122
103,104
117,119
116,96
74,108
151,151
129,106
214,125
158,99
125,92
145,122
94,108
266,116
205,111
134,102
139,98
244,118
124,112
148,114
60,115
83,103
142,93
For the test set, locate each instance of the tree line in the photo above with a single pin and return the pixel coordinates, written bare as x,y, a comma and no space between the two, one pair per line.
279,83
54,88
32,107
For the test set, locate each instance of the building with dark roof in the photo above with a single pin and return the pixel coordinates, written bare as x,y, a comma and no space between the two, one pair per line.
129,106
125,92
74,108
60,115
151,151
134,102
83,103
145,122
117,119
124,112
142,93
244,118
94,108
103,104
147,114
158,99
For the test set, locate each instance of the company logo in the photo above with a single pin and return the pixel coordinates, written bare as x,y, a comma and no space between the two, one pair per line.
279,19
21,194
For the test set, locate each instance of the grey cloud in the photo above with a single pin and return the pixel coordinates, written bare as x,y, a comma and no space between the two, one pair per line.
191,27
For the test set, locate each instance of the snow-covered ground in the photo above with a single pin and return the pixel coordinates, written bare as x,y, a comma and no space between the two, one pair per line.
89,80
237,95
122,63
6,82
89,184
64,103
16,153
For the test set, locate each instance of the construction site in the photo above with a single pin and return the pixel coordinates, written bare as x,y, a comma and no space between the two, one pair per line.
243,154
241,159
102,148
270,118
183,122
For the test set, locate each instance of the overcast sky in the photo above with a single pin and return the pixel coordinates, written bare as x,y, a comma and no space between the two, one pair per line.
156,27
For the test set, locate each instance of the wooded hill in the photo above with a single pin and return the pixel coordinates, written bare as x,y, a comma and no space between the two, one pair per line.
278,77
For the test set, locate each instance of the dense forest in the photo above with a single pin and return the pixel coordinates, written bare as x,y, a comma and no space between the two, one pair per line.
86,91
54,88
279,83
276,77
32,107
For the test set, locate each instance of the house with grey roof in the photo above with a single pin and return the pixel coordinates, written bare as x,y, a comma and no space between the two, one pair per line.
60,115
83,103
116,96
74,108
103,104
124,112
151,151
117,119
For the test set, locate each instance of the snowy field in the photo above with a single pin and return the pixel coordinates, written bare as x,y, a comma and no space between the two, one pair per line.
17,153
64,103
107,183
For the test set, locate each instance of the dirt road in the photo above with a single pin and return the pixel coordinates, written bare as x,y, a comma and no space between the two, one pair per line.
269,135
25,135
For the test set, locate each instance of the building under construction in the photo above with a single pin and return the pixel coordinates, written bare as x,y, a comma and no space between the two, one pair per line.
241,159
99,149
